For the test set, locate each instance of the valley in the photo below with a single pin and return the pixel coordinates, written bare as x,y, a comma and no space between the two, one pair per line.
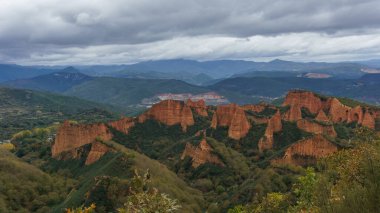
207,157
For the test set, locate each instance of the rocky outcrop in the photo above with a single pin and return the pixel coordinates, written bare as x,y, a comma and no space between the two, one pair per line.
337,111
368,120
201,154
274,125
233,117
304,99
316,128
71,136
170,112
96,152
355,114
123,125
305,150
199,107
293,114
321,116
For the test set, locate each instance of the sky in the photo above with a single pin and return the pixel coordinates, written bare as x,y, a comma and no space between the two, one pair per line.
75,32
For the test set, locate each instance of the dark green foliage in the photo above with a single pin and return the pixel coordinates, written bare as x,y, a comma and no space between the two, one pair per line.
267,112
289,134
343,131
25,188
306,113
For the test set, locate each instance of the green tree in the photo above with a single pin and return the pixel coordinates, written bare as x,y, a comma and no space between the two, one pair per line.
145,199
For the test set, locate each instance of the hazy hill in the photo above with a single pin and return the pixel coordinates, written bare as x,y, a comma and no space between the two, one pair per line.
53,82
124,92
192,78
224,68
364,89
24,109
11,72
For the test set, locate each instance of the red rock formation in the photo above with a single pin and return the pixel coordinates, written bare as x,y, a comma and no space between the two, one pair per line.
293,114
170,112
368,120
71,136
303,99
96,152
274,125
123,125
315,128
321,116
234,118
314,148
199,107
337,111
355,115
201,154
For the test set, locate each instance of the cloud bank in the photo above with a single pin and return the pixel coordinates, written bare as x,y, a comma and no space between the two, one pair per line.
126,31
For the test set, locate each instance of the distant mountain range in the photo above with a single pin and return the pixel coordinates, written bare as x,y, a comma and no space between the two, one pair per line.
239,81
190,70
365,88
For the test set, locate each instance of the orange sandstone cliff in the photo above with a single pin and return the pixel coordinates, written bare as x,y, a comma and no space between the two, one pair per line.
123,125
199,107
315,128
337,112
234,118
96,152
294,113
311,149
71,136
201,154
321,116
170,112
274,125
304,99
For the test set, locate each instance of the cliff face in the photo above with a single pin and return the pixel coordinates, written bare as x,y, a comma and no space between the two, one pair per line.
199,107
321,116
234,118
294,113
338,112
170,112
315,128
311,148
71,136
123,125
201,154
368,120
355,114
304,99
96,152
274,125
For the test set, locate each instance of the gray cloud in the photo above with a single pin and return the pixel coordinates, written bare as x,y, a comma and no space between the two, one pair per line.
122,31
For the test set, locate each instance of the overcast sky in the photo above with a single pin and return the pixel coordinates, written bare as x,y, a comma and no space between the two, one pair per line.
64,32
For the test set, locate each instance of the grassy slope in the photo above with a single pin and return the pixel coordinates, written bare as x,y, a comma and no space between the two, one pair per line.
124,92
33,189
162,178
